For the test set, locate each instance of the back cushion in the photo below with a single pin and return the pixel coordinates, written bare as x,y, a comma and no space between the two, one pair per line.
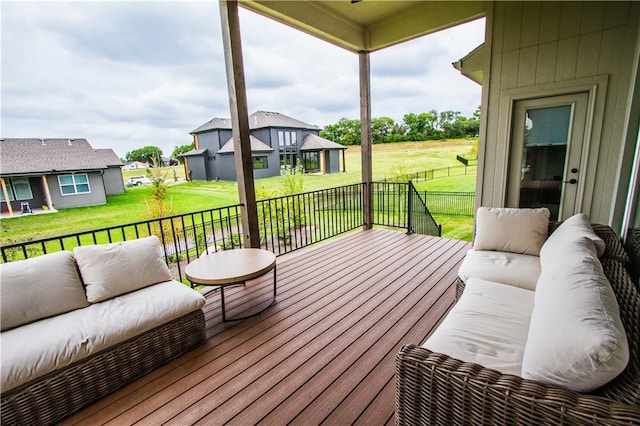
38,288
511,230
576,339
571,229
112,269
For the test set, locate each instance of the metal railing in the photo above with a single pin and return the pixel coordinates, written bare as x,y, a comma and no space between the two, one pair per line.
450,203
419,217
286,224
291,222
439,173
183,237
398,205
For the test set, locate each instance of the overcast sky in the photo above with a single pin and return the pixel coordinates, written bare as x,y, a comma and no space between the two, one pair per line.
128,74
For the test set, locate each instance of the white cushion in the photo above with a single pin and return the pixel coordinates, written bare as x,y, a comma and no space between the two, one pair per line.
577,226
513,230
519,270
38,288
109,270
41,347
576,339
487,326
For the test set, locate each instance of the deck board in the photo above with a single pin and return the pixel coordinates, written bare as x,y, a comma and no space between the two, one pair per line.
323,353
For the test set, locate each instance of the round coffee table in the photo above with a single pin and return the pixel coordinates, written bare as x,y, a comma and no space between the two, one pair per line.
232,267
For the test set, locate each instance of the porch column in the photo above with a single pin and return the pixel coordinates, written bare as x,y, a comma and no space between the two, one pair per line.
344,163
6,195
47,193
365,138
239,120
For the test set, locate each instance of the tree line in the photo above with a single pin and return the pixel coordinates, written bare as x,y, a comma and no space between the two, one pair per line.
414,127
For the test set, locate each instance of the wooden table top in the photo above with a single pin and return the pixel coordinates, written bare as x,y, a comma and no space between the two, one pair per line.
230,266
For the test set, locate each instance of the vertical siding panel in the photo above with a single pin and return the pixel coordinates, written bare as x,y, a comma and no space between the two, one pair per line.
530,24
550,21
489,175
570,18
616,14
592,17
510,63
566,59
588,54
545,68
527,66
512,25
498,28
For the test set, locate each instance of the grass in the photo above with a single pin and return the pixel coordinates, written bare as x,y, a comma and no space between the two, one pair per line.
194,196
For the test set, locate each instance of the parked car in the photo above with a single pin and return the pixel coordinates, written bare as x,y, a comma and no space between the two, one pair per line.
139,180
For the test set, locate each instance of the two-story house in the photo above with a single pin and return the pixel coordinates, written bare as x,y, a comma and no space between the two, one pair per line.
277,141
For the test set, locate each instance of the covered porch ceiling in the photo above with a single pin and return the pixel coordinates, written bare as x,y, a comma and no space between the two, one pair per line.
368,25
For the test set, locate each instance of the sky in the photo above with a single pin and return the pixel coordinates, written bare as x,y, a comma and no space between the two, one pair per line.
125,75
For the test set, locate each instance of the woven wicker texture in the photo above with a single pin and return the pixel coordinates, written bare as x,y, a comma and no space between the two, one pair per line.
50,399
632,245
435,389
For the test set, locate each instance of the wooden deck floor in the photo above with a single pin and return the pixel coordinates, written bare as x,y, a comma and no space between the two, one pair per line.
323,353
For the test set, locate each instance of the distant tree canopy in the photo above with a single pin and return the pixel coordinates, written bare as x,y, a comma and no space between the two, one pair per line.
414,127
181,149
147,154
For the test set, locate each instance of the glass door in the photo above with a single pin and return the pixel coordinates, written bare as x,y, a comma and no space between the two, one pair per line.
546,154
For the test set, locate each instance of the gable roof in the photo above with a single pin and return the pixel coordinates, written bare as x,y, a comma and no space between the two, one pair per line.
256,146
315,142
26,156
257,120
109,157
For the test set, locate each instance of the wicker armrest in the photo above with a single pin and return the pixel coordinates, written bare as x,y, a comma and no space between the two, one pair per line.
435,389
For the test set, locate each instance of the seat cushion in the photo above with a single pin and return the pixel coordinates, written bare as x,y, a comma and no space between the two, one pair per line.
576,339
487,326
109,270
38,288
512,230
35,349
519,270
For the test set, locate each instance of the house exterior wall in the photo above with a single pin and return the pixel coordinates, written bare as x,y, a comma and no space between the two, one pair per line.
333,163
226,167
113,181
546,48
95,197
197,168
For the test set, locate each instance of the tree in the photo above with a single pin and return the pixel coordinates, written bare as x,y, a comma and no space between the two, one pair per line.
345,132
181,149
147,154
382,129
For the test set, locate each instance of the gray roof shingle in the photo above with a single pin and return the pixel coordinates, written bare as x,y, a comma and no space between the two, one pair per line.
24,156
314,142
256,146
257,120
109,156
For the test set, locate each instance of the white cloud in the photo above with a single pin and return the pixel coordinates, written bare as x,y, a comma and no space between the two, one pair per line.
129,74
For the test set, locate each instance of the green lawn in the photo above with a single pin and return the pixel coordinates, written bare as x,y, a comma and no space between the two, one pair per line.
194,196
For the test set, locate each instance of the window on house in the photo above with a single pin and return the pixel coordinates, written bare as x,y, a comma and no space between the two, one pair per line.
74,184
312,161
287,138
17,189
260,163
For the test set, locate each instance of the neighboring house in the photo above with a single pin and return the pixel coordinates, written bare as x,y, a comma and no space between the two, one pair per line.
276,140
56,173
134,165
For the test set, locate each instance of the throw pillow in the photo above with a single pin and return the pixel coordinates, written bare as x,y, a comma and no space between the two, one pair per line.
38,288
511,230
109,270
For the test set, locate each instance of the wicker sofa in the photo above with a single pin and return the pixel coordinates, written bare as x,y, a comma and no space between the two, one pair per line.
435,388
77,326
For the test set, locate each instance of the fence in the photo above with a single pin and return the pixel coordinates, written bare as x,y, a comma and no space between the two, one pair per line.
450,203
286,224
439,173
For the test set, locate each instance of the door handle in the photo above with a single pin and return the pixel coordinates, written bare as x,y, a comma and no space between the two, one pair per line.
571,181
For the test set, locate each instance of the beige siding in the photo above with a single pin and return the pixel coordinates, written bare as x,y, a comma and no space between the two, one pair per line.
556,46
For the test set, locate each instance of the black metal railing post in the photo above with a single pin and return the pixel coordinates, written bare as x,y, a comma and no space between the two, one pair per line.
410,190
